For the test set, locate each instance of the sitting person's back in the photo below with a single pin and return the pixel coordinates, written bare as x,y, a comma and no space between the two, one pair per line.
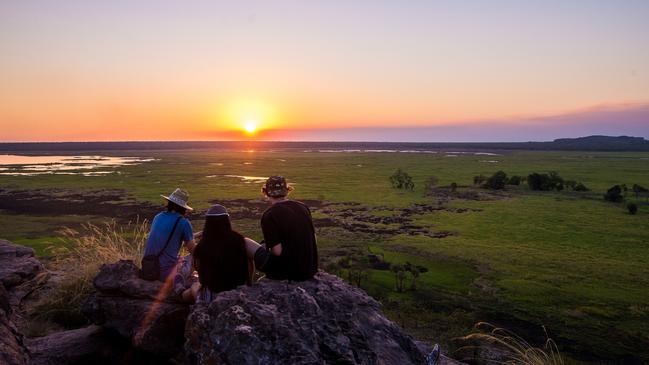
291,252
169,230
289,223
220,256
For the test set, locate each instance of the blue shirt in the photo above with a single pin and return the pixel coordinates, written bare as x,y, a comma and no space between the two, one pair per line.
160,229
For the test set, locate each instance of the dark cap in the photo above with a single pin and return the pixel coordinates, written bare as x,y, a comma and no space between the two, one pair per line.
216,210
276,187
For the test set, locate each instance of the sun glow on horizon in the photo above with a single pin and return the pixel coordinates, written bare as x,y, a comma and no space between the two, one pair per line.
248,116
250,126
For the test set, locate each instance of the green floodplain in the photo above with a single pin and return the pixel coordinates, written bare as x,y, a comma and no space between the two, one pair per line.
565,261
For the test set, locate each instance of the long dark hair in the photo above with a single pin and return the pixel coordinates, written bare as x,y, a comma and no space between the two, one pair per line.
220,256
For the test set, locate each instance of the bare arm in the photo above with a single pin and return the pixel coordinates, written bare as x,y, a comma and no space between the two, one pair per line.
190,245
251,247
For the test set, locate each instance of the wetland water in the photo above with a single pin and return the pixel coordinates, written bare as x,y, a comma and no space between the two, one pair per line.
22,165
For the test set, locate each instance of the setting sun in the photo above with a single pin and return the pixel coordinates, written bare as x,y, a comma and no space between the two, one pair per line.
250,126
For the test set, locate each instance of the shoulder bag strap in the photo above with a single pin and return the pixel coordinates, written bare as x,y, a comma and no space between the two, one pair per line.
169,238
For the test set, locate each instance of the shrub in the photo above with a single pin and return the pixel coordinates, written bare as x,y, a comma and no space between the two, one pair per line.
570,184
453,187
401,180
538,181
556,182
545,182
632,208
497,181
580,187
637,189
614,194
515,180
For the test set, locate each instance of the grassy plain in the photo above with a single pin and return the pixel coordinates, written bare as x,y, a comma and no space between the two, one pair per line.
564,260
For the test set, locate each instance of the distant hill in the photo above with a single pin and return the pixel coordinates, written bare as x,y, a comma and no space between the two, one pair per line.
603,142
590,143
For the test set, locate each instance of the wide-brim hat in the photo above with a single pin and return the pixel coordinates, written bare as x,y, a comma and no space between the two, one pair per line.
276,186
179,197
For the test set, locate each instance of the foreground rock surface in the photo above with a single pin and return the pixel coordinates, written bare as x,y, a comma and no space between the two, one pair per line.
319,321
17,264
12,348
80,346
137,309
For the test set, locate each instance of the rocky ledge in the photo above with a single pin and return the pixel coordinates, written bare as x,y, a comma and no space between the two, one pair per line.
319,321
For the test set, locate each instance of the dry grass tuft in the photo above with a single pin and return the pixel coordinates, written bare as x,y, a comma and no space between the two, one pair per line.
77,260
86,250
514,349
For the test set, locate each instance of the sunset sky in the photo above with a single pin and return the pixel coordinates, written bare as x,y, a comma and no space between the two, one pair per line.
323,70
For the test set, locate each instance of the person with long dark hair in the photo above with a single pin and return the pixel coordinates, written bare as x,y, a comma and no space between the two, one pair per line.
219,257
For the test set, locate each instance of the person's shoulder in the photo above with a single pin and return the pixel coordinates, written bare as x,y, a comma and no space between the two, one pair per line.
301,205
158,216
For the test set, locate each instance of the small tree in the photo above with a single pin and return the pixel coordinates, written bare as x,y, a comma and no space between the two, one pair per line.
632,208
497,181
415,271
453,187
556,182
538,181
401,180
515,180
614,194
399,277
637,189
545,182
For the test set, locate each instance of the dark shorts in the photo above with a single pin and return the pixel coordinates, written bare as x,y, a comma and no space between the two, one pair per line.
264,260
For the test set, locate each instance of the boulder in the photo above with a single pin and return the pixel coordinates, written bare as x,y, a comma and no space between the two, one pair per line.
137,309
17,264
318,321
12,348
79,346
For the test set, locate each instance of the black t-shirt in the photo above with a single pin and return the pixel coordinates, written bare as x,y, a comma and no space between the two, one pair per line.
289,223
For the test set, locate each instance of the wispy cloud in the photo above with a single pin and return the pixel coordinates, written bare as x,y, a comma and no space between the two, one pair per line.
612,119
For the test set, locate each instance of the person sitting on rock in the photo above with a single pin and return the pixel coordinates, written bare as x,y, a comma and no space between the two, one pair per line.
289,250
169,230
219,258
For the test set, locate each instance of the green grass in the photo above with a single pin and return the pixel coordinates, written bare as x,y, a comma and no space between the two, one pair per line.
567,260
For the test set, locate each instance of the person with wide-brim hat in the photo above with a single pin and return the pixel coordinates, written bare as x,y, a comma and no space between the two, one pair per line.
170,229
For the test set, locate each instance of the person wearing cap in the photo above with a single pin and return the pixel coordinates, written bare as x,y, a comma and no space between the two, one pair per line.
289,250
219,258
169,230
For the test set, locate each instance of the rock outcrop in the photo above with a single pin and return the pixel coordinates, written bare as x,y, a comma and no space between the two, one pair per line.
17,264
12,348
18,267
137,309
80,346
319,321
